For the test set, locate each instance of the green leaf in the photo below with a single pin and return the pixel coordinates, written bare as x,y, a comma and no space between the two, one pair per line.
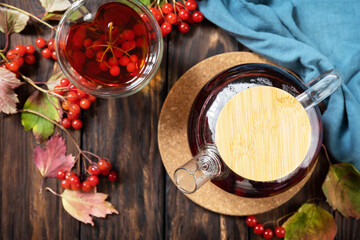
42,128
12,21
310,222
54,80
53,16
342,189
145,2
55,5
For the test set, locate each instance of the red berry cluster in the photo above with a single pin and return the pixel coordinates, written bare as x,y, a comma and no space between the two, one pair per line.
251,221
18,56
76,100
177,14
70,180
48,48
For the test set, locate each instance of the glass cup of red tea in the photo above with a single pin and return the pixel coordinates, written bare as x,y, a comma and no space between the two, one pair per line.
109,48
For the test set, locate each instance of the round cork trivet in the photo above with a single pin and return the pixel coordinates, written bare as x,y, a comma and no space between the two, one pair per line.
173,139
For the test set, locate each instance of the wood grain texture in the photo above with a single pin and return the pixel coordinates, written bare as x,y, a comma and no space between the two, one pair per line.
149,205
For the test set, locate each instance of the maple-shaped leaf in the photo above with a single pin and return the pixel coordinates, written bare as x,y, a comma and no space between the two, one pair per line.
310,222
53,158
39,102
55,5
342,189
8,98
12,21
82,205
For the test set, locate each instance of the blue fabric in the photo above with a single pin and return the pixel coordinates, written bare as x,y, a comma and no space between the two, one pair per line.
308,37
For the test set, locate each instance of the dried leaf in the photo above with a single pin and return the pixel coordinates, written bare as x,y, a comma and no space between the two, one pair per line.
42,128
12,21
55,5
8,98
310,222
54,80
83,205
342,189
53,158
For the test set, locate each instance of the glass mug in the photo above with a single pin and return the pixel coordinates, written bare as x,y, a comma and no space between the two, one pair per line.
97,17
207,163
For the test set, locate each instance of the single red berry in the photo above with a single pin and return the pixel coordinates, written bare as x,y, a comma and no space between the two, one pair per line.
46,53
91,98
258,229
65,184
74,179
197,16
113,61
40,42
60,174
85,186
72,116
104,165
53,55
128,35
88,42
103,67
58,90
167,8
80,93
51,45
184,27
20,49
251,221
131,67
165,28
190,5
114,71
75,108
85,103
89,53
64,82
12,54
19,61
171,18
69,174
94,170
76,124
112,176
30,49
73,88
65,105
12,66
268,233
184,14
123,61
157,15
280,232
72,96
93,180
29,59
76,186
66,123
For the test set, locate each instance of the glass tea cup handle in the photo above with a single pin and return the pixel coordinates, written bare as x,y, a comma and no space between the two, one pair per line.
320,88
205,166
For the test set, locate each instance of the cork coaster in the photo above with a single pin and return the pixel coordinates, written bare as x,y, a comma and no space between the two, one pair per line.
173,139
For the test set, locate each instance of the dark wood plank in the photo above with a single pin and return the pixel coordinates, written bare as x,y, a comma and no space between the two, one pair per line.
24,212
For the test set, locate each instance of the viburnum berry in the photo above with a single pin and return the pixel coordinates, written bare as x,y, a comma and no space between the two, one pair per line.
280,231
251,221
66,123
190,5
76,186
112,176
184,27
91,98
73,88
197,16
85,186
40,42
65,184
58,90
74,179
171,18
94,170
184,14
20,49
29,59
131,67
65,105
11,54
88,42
85,103
53,55
167,8
123,61
75,108
113,61
165,28
258,229
114,71
105,172
60,174
46,53
104,165
268,233
51,45
157,15
69,174
72,96
134,58
30,49
64,82
19,61
72,116
12,66
93,180
76,124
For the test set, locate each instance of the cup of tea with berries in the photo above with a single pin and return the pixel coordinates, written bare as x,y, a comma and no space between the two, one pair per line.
109,48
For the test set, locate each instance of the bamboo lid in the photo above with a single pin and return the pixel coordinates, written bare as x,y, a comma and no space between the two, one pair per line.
263,133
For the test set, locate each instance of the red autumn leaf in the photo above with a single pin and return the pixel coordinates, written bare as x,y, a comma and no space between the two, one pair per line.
82,205
52,159
8,97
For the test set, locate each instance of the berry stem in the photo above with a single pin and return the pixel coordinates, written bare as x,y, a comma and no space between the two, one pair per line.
6,43
283,217
28,14
326,154
52,191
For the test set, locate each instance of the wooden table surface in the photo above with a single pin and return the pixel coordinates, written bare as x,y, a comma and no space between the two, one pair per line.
125,130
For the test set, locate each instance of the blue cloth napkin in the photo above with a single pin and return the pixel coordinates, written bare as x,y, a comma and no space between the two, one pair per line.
308,37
